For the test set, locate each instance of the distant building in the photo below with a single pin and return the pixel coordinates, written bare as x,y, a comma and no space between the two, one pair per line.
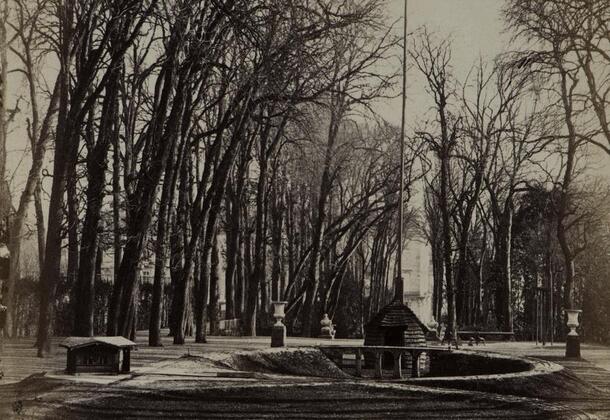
107,270
418,279
146,273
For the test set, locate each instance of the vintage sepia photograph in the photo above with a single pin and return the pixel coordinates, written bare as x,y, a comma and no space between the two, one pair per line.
304,209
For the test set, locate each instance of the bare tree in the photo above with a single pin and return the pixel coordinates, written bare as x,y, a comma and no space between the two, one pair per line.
31,50
553,59
490,107
172,85
124,22
4,46
356,85
433,59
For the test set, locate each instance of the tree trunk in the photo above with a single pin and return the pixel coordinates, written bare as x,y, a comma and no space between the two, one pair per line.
240,277
277,221
437,276
201,299
461,278
256,282
214,306
72,201
180,272
502,269
116,202
163,227
450,331
49,277
232,238
154,328
5,198
250,293
40,228
50,273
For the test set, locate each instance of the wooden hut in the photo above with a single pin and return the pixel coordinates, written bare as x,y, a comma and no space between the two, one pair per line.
394,325
98,354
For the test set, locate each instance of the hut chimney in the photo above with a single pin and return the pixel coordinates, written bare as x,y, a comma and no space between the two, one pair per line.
399,290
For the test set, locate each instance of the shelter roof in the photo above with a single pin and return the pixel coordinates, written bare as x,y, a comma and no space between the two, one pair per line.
397,314
115,341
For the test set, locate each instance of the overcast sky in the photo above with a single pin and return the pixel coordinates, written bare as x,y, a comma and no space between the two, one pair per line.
476,29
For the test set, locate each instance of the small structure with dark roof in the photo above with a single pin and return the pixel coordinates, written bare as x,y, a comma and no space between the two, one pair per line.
394,325
98,354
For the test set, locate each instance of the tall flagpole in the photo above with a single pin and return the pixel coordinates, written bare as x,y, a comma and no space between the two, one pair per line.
399,288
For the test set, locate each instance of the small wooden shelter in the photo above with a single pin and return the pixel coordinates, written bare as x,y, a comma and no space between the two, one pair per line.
98,354
394,325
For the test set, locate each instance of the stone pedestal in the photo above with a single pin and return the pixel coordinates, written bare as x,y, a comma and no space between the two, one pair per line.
278,336
573,346
433,331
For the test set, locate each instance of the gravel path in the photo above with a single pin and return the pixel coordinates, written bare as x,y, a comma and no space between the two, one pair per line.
272,399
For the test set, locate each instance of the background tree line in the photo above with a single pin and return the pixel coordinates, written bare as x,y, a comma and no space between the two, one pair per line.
236,143
511,203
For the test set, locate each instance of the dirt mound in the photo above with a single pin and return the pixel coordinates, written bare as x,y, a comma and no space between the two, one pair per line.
295,361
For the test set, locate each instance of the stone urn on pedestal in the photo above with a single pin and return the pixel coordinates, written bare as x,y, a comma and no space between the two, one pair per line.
572,340
278,331
327,330
433,331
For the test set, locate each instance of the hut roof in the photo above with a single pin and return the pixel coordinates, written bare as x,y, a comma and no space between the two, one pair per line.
397,314
116,341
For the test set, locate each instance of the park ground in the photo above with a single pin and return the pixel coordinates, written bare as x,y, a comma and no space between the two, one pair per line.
192,381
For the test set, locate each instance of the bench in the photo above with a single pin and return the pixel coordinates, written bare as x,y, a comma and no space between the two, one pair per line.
481,336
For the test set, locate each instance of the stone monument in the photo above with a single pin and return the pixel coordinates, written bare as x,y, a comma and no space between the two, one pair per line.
278,331
327,330
572,340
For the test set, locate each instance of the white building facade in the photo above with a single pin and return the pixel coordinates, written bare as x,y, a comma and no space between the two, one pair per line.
418,279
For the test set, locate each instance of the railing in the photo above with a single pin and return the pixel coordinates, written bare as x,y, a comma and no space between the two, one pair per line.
378,352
